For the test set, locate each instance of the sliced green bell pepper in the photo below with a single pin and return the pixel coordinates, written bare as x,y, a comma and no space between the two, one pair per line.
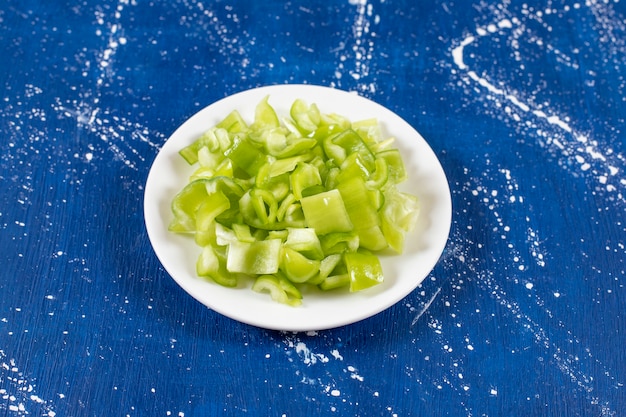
294,201
297,267
326,213
254,258
364,270
279,288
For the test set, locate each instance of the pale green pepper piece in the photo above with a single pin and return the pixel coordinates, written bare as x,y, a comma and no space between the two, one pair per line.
185,204
353,166
233,191
279,288
393,235
335,121
297,267
222,169
395,165
372,238
294,216
285,205
380,175
364,269
273,140
357,203
265,205
377,198
211,263
242,233
351,142
188,201
265,116
275,217
213,205
280,167
278,234
333,151
339,242
233,123
209,158
190,153
296,146
401,209
327,265
305,241
326,213
306,117
312,190
254,258
369,130
224,236
398,216
279,186
214,138
383,145
330,182
362,214
211,140
304,176
335,281
245,156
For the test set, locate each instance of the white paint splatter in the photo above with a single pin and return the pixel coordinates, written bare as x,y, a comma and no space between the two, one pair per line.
335,353
124,138
18,392
113,32
121,136
592,157
426,306
361,50
308,357
486,280
231,39
354,374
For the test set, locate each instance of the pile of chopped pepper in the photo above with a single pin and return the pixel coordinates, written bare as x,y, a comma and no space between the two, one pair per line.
308,199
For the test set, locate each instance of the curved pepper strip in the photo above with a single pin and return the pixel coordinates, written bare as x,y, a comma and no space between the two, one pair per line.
212,264
297,146
297,267
265,116
351,143
196,195
279,288
290,214
214,138
335,281
254,258
364,270
395,165
245,156
380,175
264,204
304,176
307,118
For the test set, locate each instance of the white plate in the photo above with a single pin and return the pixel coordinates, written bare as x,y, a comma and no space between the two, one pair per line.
319,310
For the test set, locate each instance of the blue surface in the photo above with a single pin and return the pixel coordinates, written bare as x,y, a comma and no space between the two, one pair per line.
524,104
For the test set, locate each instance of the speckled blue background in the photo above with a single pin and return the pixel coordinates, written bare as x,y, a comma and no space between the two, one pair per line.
524,104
